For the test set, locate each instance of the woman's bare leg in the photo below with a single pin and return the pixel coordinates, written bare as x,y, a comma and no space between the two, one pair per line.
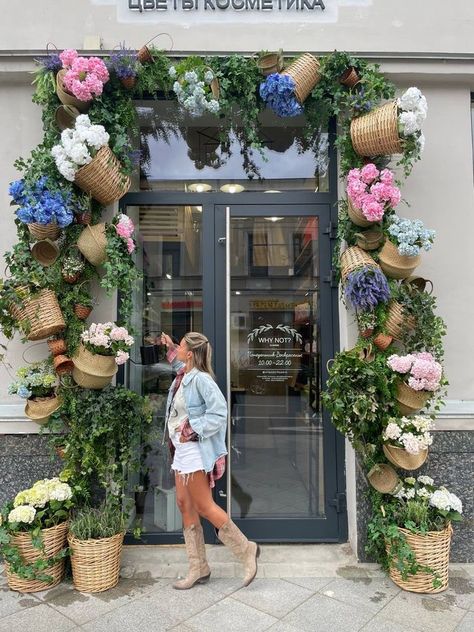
201,498
185,503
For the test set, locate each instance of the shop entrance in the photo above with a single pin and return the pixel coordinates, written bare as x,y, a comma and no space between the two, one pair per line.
255,277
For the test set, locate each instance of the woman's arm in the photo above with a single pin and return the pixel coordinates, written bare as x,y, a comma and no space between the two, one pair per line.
171,353
208,419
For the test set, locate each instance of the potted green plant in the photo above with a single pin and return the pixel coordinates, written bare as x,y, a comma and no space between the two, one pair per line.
124,64
406,441
33,529
72,268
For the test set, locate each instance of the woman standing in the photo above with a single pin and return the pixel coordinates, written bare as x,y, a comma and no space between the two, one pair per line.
196,424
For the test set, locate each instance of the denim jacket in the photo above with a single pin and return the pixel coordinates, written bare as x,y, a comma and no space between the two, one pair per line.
207,412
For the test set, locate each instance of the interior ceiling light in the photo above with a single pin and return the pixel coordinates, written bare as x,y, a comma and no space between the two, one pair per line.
232,188
199,187
273,219
272,191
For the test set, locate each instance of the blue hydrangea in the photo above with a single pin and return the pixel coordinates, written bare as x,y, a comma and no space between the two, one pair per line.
24,392
17,191
278,92
40,205
410,236
365,288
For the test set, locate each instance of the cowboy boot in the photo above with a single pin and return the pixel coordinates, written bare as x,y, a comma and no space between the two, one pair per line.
199,571
245,550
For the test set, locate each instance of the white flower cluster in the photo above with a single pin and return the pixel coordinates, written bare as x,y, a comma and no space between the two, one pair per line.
192,93
78,146
414,108
44,491
411,433
445,500
424,488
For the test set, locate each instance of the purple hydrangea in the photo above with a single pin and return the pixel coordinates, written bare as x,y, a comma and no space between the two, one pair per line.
366,287
278,92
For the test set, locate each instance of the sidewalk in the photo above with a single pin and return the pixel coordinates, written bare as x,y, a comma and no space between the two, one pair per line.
314,588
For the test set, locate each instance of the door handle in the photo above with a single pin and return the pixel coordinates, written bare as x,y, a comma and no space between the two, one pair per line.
221,240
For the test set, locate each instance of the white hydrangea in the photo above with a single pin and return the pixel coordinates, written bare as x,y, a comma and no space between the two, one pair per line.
409,123
392,431
80,154
410,442
424,493
23,513
410,99
421,142
445,500
83,120
410,493
61,491
456,504
425,480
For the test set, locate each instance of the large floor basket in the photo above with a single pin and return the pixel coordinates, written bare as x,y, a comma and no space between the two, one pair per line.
95,563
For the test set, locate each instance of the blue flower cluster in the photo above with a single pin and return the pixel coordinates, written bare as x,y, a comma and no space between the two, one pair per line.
366,287
124,63
278,92
410,236
40,205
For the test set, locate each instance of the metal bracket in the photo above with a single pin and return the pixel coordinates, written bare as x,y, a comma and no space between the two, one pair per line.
332,278
339,502
331,230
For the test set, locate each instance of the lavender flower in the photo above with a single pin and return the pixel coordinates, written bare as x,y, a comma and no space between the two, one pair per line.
366,288
50,62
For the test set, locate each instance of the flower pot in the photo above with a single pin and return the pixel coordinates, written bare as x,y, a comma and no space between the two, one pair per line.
384,479
144,55
376,133
54,540
128,82
419,283
95,563
349,77
84,218
395,265
305,73
370,239
61,452
403,459
57,347
63,365
82,311
270,63
356,216
92,370
382,341
102,177
409,400
431,549
398,322
65,116
45,252
72,278
40,315
66,97
44,231
92,243
40,408
366,333
353,258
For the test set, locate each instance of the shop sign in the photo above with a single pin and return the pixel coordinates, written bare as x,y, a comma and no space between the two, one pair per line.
274,353
225,5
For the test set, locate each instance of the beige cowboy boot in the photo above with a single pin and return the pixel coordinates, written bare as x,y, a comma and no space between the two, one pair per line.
199,571
245,550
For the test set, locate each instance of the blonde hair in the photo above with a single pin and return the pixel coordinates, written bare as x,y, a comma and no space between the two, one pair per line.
201,349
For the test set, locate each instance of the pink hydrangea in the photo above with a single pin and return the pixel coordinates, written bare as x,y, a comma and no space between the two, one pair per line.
125,226
121,357
370,194
119,333
130,245
67,57
387,176
400,364
85,77
373,211
424,371
369,173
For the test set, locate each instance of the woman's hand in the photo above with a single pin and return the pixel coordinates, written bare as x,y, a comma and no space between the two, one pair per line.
166,340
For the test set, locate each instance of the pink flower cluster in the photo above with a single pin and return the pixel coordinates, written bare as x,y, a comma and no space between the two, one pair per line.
85,76
372,191
125,229
424,372
108,339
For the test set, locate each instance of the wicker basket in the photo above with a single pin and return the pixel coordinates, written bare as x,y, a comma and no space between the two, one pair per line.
409,400
54,540
382,341
353,258
63,365
356,216
419,283
270,63
40,409
82,311
403,459
44,231
102,179
398,322
144,55
95,563
42,313
305,73
128,82
384,479
370,239
376,133
65,116
395,265
84,218
349,77
45,252
92,243
66,97
92,370
431,549
57,346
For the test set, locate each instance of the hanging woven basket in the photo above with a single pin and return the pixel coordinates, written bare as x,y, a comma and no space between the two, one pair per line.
57,346
95,563
92,243
92,370
376,133
69,99
45,252
349,77
431,549
382,341
44,231
398,321
82,311
63,365
356,216
354,258
129,82
270,63
102,177
403,459
40,408
305,73
370,239
395,265
409,400
54,540
65,116
84,218
384,479
40,315
419,283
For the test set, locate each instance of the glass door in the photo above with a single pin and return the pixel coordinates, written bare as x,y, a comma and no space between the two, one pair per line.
282,479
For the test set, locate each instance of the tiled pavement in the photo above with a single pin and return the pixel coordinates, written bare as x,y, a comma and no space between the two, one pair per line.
322,589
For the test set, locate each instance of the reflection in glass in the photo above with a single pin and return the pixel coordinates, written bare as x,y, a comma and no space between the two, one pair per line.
276,421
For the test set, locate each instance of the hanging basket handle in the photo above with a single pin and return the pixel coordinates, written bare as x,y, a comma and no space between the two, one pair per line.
27,349
155,36
53,46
